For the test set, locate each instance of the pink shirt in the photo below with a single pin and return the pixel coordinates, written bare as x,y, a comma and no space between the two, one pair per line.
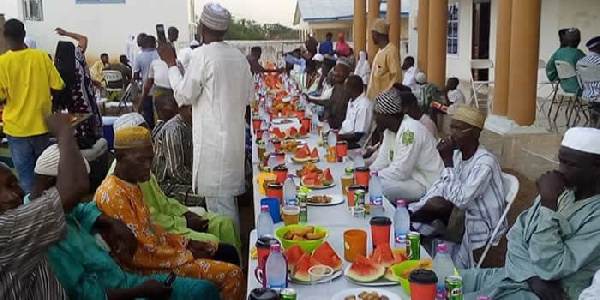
342,48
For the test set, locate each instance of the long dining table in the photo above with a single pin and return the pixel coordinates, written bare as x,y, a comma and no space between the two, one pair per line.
336,218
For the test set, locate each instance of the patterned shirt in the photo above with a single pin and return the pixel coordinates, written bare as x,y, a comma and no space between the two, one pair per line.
26,234
591,90
173,152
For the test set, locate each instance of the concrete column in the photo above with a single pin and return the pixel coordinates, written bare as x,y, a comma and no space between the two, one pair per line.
525,47
502,63
360,26
423,31
393,17
373,15
436,42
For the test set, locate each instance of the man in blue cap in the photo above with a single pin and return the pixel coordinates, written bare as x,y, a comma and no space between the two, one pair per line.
591,89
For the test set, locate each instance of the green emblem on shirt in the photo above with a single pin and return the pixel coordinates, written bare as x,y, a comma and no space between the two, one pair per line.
408,137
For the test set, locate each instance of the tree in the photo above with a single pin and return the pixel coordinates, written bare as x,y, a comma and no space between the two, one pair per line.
244,29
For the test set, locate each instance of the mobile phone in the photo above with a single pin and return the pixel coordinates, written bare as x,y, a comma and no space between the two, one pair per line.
170,279
160,33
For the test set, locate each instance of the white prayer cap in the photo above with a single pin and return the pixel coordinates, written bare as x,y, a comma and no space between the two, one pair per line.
342,61
126,120
47,163
584,139
194,43
319,57
421,78
215,17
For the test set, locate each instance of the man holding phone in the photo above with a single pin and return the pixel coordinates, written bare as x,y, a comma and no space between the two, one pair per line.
218,85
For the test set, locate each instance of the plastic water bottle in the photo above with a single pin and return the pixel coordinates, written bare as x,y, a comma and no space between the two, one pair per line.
442,264
264,223
289,190
401,223
376,195
359,161
331,139
276,269
314,122
326,126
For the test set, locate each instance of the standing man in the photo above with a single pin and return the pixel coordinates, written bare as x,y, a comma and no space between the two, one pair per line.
141,69
591,90
410,72
254,61
26,78
311,45
218,85
173,36
337,104
386,64
341,47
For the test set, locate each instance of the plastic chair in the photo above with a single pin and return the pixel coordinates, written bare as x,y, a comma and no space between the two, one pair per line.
511,187
477,85
543,83
565,71
587,74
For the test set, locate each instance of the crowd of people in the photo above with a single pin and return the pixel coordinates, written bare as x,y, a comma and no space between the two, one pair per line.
71,226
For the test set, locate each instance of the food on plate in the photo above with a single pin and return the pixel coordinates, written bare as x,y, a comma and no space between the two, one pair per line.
308,168
325,254
301,268
314,178
426,264
303,234
293,255
290,133
367,295
290,145
304,155
383,255
319,199
365,270
303,131
314,153
389,275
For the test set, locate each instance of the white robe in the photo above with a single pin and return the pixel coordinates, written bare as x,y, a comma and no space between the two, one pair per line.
218,85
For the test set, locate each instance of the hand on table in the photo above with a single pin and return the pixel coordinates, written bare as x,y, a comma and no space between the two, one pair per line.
550,186
547,290
196,222
202,249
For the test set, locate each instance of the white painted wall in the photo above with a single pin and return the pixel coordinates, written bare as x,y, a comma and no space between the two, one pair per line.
10,8
108,25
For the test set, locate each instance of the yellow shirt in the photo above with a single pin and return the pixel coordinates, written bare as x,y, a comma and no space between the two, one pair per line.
385,72
96,71
26,77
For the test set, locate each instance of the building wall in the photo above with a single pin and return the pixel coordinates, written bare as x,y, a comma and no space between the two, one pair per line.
108,25
10,8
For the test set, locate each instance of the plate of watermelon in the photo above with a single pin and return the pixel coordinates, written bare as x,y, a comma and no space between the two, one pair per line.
318,181
299,262
305,155
290,133
375,270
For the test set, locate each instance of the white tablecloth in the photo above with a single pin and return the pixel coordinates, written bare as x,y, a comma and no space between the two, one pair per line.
336,219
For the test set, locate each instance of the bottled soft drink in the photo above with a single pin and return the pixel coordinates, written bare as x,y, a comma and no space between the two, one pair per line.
289,190
359,161
276,269
375,195
443,265
264,223
401,223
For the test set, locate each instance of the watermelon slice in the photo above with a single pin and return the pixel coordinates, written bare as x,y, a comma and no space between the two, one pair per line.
301,153
389,275
383,255
365,270
303,131
293,255
399,255
324,254
300,272
293,132
314,153
327,177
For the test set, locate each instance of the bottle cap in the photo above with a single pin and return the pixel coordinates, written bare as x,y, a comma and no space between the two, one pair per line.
374,173
442,248
264,208
349,171
421,276
276,248
401,202
380,221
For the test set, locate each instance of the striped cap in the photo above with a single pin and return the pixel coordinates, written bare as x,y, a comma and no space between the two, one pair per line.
388,103
215,17
47,163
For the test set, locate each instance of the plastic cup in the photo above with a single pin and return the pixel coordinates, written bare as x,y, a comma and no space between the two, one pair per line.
280,156
259,134
300,114
275,190
263,248
380,231
277,145
305,122
256,124
290,214
355,244
274,208
341,150
422,285
362,176
281,172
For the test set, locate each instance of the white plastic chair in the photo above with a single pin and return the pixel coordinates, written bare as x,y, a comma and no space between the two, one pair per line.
477,85
586,74
511,187
565,71
543,82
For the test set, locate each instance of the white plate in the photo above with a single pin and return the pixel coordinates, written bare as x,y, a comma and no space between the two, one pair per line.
335,200
343,294
283,121
335,276
320,187
379,282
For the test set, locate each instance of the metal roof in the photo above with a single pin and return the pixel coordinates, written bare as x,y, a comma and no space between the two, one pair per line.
332,10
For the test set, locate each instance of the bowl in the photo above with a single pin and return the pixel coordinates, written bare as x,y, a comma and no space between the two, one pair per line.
308,246
400,268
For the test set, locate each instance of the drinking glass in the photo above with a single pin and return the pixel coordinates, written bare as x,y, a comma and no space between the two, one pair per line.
321,274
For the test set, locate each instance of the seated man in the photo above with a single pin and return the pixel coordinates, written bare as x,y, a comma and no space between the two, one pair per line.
408,162
454,96
591,90
471,182
170,214
336,106
120,197
357,125
553,248
570,53
28,231
410,106
166,108
85,267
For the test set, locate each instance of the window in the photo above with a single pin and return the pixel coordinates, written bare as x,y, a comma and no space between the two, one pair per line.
32,10
452,36
98,1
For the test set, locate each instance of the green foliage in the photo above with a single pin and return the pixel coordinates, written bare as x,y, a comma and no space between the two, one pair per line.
244,29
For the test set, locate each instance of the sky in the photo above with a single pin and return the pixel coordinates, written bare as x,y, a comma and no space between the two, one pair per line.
262,11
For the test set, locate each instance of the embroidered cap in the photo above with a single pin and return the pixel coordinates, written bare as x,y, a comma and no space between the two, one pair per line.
388,103
469,115
215,17
585,139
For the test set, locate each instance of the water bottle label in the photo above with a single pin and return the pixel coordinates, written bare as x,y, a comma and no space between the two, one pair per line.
403,242
376,201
